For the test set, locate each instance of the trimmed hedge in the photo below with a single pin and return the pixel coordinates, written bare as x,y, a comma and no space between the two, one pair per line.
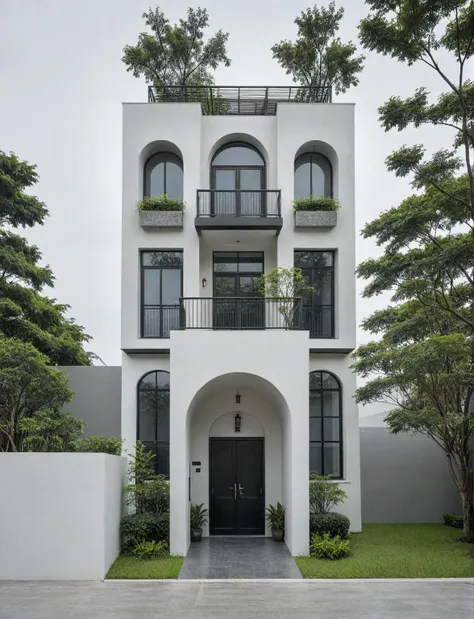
311,203
161,203
138,528
333,523
453,520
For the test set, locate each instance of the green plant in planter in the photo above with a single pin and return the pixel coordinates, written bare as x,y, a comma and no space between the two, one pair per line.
161,203
311,203
198,520
275,517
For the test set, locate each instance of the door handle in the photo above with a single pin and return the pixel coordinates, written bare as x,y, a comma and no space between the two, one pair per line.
241,490
234,488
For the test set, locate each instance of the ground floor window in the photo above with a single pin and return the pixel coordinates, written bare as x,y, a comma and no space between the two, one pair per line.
325,425
153,417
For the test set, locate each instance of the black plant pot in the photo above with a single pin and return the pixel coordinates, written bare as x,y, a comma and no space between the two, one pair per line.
196,535
277,535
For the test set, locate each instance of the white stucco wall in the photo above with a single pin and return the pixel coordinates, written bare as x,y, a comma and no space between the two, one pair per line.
59,515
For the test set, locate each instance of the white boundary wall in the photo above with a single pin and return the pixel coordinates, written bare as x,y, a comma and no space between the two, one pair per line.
60,515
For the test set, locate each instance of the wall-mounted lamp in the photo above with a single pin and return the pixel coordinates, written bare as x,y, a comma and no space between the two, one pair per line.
237,422
237,398
204,282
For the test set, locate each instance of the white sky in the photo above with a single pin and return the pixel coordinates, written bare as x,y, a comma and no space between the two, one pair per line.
61,87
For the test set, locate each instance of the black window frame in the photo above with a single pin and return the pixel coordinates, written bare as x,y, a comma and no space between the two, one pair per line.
312,304
174,158
322,416
331,174
153,445
143,307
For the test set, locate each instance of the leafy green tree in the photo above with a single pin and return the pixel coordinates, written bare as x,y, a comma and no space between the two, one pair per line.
176,55
423,365
25,313
318,57
50,431
28,386
284,285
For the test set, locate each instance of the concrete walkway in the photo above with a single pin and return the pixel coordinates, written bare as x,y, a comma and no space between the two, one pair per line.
278,600
238,557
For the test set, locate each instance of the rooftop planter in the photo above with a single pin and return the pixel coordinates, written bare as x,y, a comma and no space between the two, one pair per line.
161,212
314,212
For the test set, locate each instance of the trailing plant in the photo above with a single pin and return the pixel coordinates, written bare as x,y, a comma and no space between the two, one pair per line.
198,517
311,203
275,516
161,203
150,549
327,547
285,286
334,524
453,520
137,528
100,444
324,494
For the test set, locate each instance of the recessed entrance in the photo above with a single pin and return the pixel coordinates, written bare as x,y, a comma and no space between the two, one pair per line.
236,486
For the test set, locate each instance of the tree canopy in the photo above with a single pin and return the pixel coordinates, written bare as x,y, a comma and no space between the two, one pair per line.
318,57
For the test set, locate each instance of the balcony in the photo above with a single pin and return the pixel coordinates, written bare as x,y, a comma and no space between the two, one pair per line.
238,210
239,100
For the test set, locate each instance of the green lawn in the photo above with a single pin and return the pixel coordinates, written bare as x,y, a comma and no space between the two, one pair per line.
126,566
398,551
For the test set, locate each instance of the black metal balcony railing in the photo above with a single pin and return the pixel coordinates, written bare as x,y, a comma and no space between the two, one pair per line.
240,100
241,313
239,203
318,320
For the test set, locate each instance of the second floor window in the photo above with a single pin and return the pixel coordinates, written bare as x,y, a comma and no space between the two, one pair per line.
164,174
318,304
313,176
161,289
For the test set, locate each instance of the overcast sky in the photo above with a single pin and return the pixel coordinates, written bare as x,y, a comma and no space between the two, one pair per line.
61,87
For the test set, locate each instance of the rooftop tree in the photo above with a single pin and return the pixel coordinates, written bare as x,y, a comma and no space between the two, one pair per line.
318,57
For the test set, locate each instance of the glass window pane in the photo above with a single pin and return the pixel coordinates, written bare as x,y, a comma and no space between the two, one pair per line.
330,429
225,180
315,429
151,322
302,187
331,404
163,380
163,415
251,262
329,381
251,179
315,380
315,408
155,179
162,258
318,179
170,286
248,286
148,381
170,320
239,156
146,415
332,460
315,463
225,261
174,180
163,459
151,283
322,284
314,258
226,286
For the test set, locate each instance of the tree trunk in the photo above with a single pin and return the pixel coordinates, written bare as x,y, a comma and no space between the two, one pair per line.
468,533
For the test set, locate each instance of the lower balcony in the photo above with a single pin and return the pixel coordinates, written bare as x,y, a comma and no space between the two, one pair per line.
238,210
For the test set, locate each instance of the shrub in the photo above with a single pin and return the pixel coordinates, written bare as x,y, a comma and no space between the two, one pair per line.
51,431
333,524
100,444
150,550
453,520
138,528
275,517
150,496
324,494
162,203
311,203
141,465
327,547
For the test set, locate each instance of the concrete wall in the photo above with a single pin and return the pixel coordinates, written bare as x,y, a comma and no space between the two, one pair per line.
404,478
97,398
59,515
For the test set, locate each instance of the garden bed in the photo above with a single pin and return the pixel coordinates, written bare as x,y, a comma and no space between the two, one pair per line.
398,551
127,566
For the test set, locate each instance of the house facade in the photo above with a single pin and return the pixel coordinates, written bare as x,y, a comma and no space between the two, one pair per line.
240,396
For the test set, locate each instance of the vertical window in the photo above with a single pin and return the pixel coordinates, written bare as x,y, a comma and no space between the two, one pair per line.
325,425
153,418
313,176
161,283
318,303
164,174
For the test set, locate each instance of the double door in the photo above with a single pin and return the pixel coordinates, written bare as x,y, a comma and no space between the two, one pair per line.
238,191
236,486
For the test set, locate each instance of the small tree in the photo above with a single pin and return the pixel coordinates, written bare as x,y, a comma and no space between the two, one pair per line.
318,57
51,431
285,287
176,55
324,494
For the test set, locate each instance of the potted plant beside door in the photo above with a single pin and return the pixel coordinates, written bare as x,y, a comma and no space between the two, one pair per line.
198,520
276,519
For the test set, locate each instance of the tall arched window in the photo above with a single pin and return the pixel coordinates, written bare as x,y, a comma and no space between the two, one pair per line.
153,418
313,176
325,425
164,174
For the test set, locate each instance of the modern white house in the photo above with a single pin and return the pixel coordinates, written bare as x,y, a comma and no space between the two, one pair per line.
239,404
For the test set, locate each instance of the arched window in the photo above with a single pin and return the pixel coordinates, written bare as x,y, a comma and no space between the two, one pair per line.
325,425
313,176
153,418
164,174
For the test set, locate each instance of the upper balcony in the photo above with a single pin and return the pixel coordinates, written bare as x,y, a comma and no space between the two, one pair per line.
240,100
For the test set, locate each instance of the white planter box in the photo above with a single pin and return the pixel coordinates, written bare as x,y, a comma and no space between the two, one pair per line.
315,219
161,219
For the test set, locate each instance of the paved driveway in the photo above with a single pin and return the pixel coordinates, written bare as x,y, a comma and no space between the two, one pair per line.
258,600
